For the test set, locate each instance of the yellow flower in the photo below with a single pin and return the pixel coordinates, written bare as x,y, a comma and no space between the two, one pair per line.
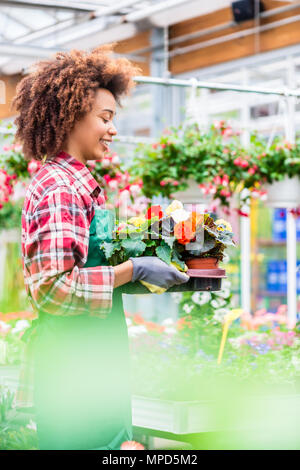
137,221
223,224
239,187
174,206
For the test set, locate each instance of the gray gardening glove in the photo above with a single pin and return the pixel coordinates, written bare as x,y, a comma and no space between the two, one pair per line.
155,271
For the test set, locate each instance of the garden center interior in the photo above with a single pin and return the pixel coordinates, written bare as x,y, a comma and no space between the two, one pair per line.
233,70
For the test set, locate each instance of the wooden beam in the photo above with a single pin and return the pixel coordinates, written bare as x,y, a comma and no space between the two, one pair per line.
275,38
139,41
9,82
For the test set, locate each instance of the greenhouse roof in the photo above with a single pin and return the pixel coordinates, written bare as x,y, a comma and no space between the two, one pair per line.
32,30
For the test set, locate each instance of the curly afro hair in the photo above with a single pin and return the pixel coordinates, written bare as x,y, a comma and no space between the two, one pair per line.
61,91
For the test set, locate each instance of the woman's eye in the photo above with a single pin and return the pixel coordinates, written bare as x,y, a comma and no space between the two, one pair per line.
105,120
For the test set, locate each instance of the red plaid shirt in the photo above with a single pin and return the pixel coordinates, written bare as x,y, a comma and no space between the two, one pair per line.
57,212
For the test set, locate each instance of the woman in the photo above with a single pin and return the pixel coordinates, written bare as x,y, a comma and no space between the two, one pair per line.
81,387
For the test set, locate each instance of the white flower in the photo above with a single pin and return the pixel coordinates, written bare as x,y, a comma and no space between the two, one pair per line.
176,296
296,362
225,293
116,160
175,205
170,331
20,326
219,314
188,308
105,163
3,349
226,284
168,321
136,330
201,298
217,303
31,425
235,342
124,195
4,327
113,184
226,258
180,215
135,189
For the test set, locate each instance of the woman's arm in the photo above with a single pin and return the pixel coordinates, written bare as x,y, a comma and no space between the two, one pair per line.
123,273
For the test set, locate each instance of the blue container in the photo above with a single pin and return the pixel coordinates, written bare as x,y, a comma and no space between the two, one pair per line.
279,225
277,276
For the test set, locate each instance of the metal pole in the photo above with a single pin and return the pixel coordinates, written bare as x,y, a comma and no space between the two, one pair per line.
216,86
291,234
245,221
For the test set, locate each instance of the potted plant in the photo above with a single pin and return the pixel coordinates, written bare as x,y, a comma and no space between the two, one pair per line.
275,172
177,237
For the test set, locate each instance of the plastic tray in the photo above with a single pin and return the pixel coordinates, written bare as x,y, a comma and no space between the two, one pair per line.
200,280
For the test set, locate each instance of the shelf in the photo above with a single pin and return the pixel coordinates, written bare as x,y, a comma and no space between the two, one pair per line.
269,293
266,242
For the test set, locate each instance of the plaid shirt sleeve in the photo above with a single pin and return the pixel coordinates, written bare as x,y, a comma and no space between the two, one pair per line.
56,249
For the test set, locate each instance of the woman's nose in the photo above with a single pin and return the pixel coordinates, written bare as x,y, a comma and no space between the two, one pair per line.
112,129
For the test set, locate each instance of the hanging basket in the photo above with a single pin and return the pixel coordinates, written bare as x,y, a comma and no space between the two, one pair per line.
284,193
193,195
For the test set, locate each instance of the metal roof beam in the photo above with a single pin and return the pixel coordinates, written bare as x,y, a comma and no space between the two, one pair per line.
22,50
54,5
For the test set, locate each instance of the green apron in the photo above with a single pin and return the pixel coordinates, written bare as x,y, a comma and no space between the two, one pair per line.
82,373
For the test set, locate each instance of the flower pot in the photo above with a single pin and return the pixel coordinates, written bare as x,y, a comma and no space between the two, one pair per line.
285,193
193,195
202,263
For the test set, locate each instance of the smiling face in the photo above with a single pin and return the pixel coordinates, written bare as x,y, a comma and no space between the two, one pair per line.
90,137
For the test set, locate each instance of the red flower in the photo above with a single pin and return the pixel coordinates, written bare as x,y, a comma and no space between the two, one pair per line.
241,213
154,211
184,232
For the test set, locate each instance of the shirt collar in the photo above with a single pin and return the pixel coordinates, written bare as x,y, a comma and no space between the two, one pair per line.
79,171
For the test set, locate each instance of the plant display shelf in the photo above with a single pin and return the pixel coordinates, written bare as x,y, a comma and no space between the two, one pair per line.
179,418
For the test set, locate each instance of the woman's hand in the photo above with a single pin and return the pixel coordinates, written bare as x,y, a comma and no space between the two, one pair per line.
155,271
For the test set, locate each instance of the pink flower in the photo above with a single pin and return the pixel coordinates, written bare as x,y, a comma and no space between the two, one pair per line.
217,180
92,163
227,132
237,161
131,445
107,178
251,171
225,180
225,193
175,183
163,146
163,183
154,146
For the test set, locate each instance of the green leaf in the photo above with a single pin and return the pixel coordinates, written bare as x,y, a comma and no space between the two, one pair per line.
164,253
176,259
133,247
169,241
109,248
